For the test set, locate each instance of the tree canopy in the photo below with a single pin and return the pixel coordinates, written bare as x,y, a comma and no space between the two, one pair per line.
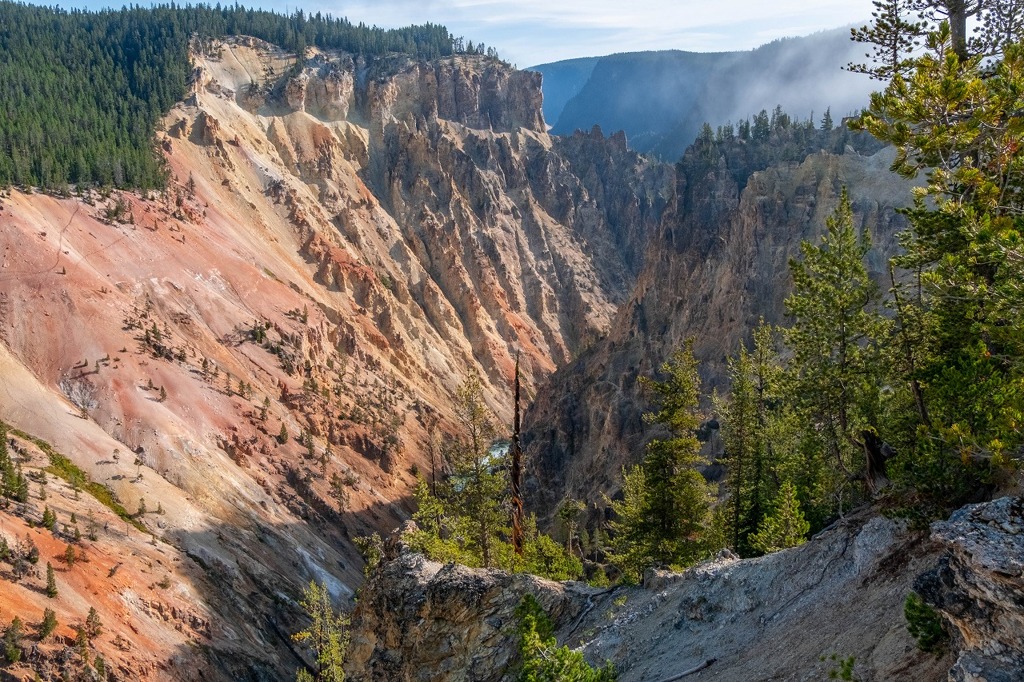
81,92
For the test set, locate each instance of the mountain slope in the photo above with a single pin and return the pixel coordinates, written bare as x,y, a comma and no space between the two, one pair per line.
661,99
264,351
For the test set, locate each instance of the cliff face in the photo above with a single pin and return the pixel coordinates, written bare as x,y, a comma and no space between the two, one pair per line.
264,351
718,263
977,586
785,616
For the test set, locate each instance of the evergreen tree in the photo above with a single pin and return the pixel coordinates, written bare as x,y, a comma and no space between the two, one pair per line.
757,445
465,517
955,119
327,635
478,473
543,659
49,518
785,527
12,641
51,581
894,37
93,626
835,338
469,517
664,517
826,120
48,625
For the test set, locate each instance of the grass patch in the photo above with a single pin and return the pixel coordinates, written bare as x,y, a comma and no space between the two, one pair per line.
64,468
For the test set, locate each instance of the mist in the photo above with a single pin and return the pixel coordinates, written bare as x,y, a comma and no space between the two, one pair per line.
662,99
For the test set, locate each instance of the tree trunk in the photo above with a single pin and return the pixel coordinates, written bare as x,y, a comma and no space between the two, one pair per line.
516,452
876,453
957,14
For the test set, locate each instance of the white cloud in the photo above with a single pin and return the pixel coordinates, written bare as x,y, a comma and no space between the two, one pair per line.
529,32
535,31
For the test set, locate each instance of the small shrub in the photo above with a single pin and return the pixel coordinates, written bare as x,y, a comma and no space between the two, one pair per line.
924,624
543,660
372,549
845,669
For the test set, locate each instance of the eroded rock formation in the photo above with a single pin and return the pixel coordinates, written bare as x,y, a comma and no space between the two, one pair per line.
718,264
978,585
788,616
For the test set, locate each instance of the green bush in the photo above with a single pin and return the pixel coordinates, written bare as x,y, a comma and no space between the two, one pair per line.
924,624
543,660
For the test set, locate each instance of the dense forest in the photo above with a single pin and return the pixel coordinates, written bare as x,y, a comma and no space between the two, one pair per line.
81,92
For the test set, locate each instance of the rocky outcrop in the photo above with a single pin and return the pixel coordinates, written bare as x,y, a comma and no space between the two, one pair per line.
479,93
786,616
424,621
978,587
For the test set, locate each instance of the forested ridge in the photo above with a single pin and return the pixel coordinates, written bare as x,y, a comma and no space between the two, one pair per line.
81,92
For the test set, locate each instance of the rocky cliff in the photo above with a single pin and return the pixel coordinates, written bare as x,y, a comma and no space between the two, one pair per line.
792,615
717,264
229,380
977,587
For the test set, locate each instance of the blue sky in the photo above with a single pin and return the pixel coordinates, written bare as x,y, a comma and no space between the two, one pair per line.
528,32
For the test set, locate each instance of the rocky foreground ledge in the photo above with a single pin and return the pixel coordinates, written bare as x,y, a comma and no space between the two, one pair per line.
791,615
978,586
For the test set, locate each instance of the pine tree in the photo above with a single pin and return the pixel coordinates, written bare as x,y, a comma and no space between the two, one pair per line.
755,434
49,519
955,119
894,38
327,635
12,640
665,515
835,339
478,475
785,527
48,625
826,120
93,626
51,581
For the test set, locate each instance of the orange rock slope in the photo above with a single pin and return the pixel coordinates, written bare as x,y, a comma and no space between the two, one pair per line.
263,351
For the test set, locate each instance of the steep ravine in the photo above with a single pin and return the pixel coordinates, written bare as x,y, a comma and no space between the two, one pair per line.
265,350
718,263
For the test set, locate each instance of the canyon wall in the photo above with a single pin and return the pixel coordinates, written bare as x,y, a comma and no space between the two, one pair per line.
718,263
256,361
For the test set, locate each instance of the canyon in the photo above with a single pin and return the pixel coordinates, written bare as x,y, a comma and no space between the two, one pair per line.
262,356
225,383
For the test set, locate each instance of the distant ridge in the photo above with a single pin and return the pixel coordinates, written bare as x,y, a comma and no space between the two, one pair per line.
661,99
